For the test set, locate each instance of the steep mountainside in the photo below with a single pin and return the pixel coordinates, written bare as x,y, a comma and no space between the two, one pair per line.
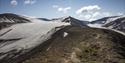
81,45
17,40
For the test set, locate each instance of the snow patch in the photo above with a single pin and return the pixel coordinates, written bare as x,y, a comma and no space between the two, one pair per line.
95,25
65,34
29,32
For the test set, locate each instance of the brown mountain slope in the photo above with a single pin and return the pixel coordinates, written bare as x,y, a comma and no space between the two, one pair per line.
82,45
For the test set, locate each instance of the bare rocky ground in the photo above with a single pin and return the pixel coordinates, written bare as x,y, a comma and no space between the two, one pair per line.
81,45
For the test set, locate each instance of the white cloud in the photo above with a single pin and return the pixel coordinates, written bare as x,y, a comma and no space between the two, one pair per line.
105,14
120,13
89,17
88,12
29,1
62,9
93,12
96,14
90,8
13,2
55,6
85,17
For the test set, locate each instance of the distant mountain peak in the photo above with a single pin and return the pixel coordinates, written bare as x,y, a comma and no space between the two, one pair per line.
8,19
68,19
12,18
106,20
7,14
112,22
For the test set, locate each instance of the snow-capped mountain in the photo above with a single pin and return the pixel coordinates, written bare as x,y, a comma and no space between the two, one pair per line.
105,20
12,18
113,22
72,21
25,35
102,21
118,24
7,19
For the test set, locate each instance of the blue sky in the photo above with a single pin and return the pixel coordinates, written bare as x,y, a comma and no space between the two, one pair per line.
81,9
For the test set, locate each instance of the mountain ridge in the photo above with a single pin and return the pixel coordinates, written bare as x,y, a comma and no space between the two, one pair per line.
8,19
62,40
